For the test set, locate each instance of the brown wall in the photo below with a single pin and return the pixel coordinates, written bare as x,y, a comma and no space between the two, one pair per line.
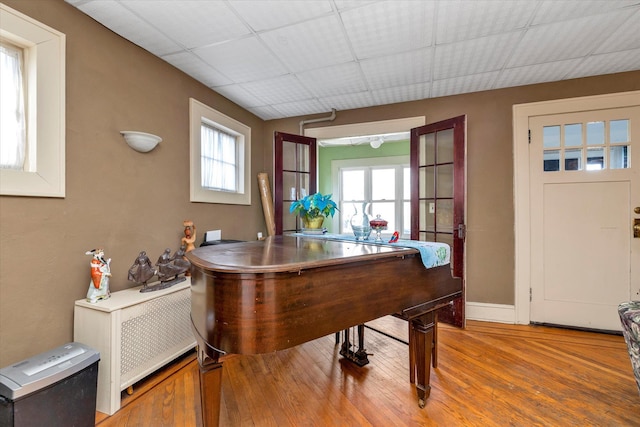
490,256
126,202
116,198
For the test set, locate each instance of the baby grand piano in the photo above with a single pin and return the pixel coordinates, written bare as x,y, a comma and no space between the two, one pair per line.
263,296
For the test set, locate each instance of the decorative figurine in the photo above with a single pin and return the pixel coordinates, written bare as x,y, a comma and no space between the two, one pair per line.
179,259
100,273
142,270
188,241
189,235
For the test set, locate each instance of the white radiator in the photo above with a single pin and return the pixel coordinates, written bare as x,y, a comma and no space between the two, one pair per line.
135,333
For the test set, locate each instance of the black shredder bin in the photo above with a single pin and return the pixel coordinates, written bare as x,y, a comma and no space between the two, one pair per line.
55,388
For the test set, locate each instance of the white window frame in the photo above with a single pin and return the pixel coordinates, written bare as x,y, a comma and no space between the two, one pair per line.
44,53
199,113
393,162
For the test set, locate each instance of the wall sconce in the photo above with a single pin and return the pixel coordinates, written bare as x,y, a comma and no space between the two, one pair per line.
140,141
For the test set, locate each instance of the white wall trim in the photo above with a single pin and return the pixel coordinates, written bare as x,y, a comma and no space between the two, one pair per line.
368,128
499,313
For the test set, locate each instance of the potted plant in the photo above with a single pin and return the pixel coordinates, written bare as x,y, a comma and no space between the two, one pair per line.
313,208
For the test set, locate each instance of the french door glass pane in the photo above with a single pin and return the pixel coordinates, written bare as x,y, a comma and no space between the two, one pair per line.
444,153
444,215
426,149
427,215
295,157
595,159
445,180
551,160
427,182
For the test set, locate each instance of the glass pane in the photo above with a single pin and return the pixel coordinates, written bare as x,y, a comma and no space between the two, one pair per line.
288,219
406,184
573,135
406,219
573,160
290,191
445,181
427,182
352,184
595,159
295,156
386,210
427,237
445,146
551,160
444,215
619,131
445,238
427,215
595,133
383,184
620,155
427,149
551,136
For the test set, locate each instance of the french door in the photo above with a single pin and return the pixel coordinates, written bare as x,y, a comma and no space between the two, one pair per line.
294,176
437,153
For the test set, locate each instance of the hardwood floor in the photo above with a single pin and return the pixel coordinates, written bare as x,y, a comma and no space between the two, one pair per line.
488,375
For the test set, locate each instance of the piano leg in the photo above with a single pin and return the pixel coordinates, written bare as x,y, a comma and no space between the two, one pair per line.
210,388
420,352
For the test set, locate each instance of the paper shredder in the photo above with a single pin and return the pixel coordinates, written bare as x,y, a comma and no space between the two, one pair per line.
55,388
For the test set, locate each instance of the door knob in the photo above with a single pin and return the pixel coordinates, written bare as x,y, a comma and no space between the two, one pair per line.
637,209
636,228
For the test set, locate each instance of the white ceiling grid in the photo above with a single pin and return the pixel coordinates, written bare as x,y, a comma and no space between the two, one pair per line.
283,58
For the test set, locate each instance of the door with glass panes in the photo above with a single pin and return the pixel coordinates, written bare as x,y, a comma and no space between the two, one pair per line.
294,176
437,195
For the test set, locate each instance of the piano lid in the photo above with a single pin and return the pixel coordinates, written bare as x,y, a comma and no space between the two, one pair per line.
288,253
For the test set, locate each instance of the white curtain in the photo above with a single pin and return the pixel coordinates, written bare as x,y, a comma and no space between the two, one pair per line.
218,160
12,115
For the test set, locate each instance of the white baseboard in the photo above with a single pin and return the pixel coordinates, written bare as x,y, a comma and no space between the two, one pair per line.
500,313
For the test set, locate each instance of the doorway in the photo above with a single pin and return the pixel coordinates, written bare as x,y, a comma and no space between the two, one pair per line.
576,186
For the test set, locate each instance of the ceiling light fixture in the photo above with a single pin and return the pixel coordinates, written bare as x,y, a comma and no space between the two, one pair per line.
376,143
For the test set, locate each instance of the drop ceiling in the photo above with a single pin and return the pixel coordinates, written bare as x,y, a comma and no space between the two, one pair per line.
297,58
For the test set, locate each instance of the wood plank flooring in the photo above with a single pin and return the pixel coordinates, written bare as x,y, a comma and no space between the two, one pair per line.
488,375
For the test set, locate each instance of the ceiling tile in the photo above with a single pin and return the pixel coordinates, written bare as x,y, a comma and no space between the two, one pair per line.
607,63
334,80
564,40
389,27
278,90
537,73
190,23
292,109
398,70
464,84
474,56
266,15
393,95
196,68
242,60
348,101
121,21
312,44
554,10
239,95
463,19
266,113
625,36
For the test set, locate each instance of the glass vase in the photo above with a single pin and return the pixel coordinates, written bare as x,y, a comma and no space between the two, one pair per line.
360,222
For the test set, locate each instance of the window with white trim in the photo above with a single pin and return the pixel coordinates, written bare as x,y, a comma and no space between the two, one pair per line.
32,140
220,157
383,183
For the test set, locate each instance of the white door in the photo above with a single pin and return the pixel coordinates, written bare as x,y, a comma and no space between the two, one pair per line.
584,187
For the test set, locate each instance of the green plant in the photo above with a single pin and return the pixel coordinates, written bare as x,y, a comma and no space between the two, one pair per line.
314,205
